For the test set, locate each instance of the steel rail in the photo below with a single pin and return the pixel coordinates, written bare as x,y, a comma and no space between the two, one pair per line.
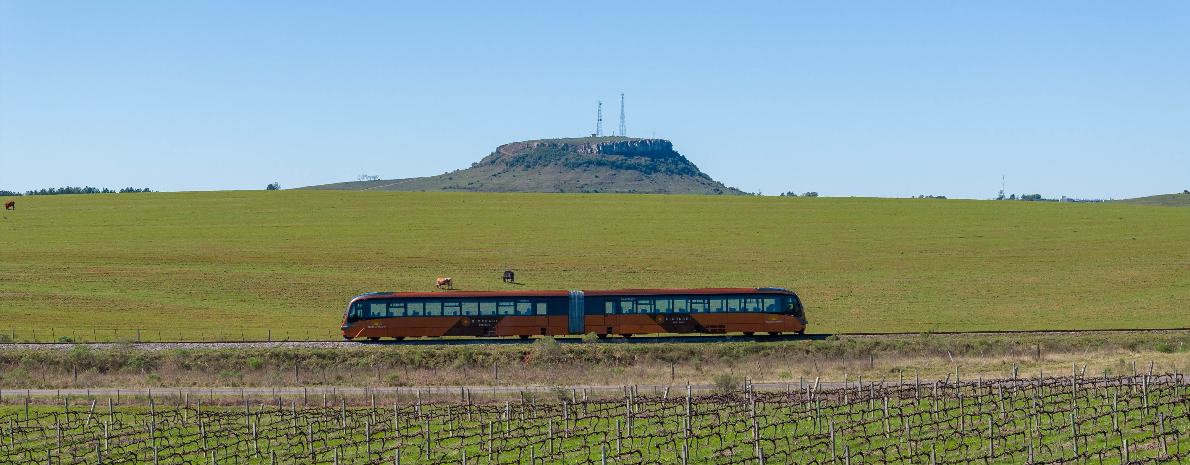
638,339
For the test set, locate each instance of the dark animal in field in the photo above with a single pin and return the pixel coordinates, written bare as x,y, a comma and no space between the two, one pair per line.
509,276
444,282
10,205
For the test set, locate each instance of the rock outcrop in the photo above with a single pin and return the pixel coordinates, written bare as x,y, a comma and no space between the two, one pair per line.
590,165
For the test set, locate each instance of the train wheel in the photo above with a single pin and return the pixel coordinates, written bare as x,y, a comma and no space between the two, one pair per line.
348,338
602,336
802,332
749,333
373,339
398,338
524,336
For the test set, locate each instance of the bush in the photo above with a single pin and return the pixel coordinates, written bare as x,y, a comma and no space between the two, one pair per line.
80,354
1165,348
65,339
255,363
547,350
393,380
5,338
136,362
726,383
810,194
276,186
591,337
153,378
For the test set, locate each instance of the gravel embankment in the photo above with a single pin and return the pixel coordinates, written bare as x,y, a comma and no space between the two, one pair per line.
194,345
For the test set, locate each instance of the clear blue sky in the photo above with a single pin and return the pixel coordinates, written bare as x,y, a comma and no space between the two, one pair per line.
891,99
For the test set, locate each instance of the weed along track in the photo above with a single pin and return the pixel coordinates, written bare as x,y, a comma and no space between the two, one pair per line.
1071,419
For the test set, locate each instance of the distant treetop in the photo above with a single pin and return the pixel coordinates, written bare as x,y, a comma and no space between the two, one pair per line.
85,190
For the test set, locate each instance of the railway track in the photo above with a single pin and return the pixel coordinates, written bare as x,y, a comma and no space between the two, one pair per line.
653,339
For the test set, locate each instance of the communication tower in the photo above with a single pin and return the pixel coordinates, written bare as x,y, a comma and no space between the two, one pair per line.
599,121
622,131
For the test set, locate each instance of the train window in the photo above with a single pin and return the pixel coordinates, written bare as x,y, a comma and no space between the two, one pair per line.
377,310
609,307
698,305
506,307
770,305
487,307
681,306
451,308
751,305
357,311
433,308
414,308
541,308
470,307
733,305
396,309
662,305
715,305
626,307
524,308
644,305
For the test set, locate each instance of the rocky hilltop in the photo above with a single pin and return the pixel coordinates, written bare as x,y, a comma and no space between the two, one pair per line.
594,165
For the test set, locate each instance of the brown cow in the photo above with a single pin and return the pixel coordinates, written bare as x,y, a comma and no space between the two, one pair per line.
10,205
444,282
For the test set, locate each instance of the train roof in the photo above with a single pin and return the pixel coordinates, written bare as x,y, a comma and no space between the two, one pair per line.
593,293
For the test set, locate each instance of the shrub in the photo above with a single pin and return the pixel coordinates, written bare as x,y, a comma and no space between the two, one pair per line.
726,383
80,354
393,380
255,363
65,339
153,378
591,337
1165,348
548,350
5,338
136,362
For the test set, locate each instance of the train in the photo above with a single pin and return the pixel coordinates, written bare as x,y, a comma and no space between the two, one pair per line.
624,312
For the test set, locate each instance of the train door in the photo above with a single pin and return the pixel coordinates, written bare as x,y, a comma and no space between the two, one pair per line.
611,318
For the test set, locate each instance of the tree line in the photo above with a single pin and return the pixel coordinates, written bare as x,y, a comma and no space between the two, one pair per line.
75,190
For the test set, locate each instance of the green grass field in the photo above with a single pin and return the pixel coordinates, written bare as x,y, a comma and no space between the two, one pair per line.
290,260
1163,200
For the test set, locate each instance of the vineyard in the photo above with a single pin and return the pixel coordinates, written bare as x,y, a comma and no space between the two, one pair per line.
1073,419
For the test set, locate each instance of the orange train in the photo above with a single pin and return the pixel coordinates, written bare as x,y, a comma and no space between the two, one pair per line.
556,313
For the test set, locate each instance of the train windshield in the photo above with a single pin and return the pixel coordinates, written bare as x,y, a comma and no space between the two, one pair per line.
792,305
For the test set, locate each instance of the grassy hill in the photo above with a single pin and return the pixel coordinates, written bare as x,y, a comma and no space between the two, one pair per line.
581,165
290,260
1164,200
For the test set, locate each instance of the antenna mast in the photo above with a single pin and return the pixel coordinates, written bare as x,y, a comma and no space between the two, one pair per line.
599,121
623,133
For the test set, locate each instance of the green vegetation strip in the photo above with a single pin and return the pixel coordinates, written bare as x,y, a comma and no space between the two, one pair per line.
548,363
285,263
1138,419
